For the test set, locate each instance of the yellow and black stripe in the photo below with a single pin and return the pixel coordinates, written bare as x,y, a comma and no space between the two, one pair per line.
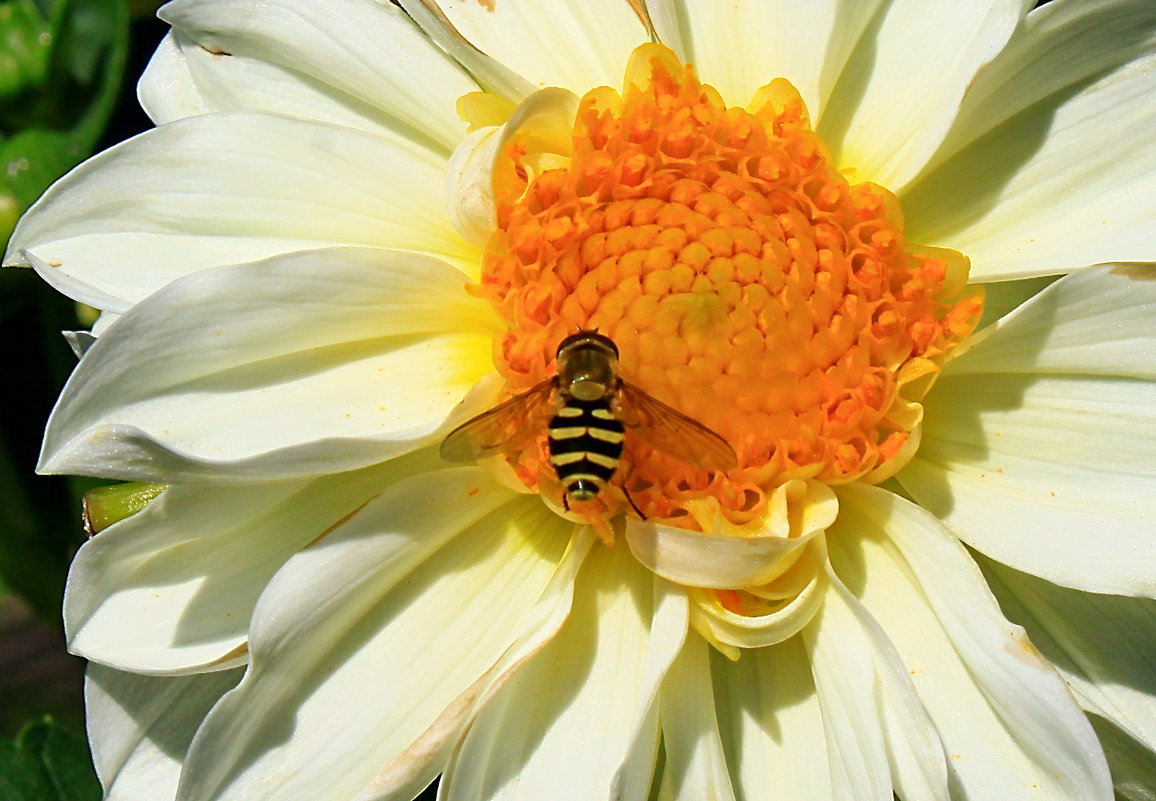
585,442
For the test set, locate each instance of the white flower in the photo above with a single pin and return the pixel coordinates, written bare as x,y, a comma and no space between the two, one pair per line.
318,607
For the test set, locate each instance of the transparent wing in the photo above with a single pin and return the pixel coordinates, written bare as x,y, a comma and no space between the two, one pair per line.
506,427
672,432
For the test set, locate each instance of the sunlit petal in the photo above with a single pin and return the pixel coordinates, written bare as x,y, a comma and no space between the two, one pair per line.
578,696
878,732
695,763
741,51
438,561
1103,645
1038,447
225,188
1029,181
290,344
771,724
141,727
548,42
1003,713
172,588
362,64
901,88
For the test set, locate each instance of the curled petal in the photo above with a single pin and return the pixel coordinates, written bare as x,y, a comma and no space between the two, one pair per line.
732,619
722,557
470,185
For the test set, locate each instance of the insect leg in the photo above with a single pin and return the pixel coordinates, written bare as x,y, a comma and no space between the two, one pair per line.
633,505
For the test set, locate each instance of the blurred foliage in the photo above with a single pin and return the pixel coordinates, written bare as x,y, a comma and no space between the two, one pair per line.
46,763
62,74
39,516
61,69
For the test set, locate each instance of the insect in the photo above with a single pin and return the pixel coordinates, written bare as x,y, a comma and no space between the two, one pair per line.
589,411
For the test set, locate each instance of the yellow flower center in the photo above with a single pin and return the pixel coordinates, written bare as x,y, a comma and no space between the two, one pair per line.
744,280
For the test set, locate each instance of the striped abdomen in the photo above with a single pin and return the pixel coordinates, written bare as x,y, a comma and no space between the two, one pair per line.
585,444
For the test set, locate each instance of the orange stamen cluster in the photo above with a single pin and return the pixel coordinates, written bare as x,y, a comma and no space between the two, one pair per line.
744,280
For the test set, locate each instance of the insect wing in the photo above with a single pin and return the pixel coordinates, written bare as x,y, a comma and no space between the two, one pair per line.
504,428
672,432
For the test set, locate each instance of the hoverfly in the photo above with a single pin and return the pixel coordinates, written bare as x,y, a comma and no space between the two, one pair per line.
588,411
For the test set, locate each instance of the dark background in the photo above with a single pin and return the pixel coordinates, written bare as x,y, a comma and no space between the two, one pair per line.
37,676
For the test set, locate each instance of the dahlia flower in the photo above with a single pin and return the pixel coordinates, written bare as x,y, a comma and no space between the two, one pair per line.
889,252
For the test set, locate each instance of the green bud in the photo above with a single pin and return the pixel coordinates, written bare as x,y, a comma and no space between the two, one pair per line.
104,506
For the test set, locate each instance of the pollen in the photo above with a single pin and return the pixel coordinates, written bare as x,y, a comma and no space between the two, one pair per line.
745,280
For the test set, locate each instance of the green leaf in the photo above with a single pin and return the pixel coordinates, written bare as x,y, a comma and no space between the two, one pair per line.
10,209
25,47
88,63
47,763
34,159
60,76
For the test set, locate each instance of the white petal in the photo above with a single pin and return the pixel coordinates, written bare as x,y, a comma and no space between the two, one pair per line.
470,186
696,767
227,188
310,363
561,729
697,559
370,645
1002,297
1031,180
771,724
1066,457
184,79
1097,322
901,88
172,588
167,90
802,592
742,49
79,341
490,73
1103,645
844,673
356,62
1054,476
668,633
878,733
551,42
718,559
1006,718
542,623
140,727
